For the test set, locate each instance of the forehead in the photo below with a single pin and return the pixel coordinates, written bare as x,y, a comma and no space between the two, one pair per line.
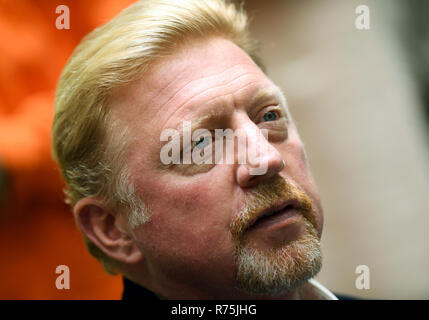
194,78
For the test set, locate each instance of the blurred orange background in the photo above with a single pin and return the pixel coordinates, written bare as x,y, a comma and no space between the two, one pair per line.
37,231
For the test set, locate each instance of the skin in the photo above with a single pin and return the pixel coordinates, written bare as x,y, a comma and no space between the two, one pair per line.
186,249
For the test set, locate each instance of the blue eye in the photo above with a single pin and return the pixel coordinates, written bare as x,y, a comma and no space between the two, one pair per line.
201,143
270,116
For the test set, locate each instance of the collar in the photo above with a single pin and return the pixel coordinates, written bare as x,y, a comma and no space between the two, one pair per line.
321,290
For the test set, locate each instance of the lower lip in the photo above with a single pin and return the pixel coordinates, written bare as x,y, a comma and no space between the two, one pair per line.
277,229
279,220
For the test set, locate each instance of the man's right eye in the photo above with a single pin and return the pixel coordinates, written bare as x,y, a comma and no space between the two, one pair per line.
200,144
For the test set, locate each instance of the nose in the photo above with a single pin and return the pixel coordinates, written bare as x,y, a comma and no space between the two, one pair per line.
263,160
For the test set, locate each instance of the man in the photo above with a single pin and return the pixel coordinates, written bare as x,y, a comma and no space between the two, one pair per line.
200,229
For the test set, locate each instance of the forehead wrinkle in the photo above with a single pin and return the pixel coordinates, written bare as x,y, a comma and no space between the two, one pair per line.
260,95
208,77
190,99
228,94
189,83
218,87
214,113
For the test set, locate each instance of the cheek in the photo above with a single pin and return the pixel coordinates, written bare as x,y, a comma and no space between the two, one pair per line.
171,200
189,229
294,155
297,168
189,212
199,198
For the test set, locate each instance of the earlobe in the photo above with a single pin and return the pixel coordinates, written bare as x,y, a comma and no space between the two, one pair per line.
106,230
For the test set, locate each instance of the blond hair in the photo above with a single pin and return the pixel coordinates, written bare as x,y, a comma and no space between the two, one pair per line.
87,143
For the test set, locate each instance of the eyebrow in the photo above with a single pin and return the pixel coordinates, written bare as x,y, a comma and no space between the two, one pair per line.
220,116
215,118
266,94
262,96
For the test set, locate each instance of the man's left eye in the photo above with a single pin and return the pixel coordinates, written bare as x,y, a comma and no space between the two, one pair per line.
270,116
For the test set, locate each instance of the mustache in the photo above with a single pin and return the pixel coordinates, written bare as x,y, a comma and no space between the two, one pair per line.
266,195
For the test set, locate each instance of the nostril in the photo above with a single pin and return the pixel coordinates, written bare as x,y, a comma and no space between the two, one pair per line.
251,181
252,178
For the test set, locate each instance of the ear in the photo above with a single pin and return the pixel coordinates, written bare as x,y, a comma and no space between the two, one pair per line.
107,230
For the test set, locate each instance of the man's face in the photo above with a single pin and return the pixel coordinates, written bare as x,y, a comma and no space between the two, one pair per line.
202,239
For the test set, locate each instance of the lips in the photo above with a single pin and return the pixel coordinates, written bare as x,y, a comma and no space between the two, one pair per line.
274,213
